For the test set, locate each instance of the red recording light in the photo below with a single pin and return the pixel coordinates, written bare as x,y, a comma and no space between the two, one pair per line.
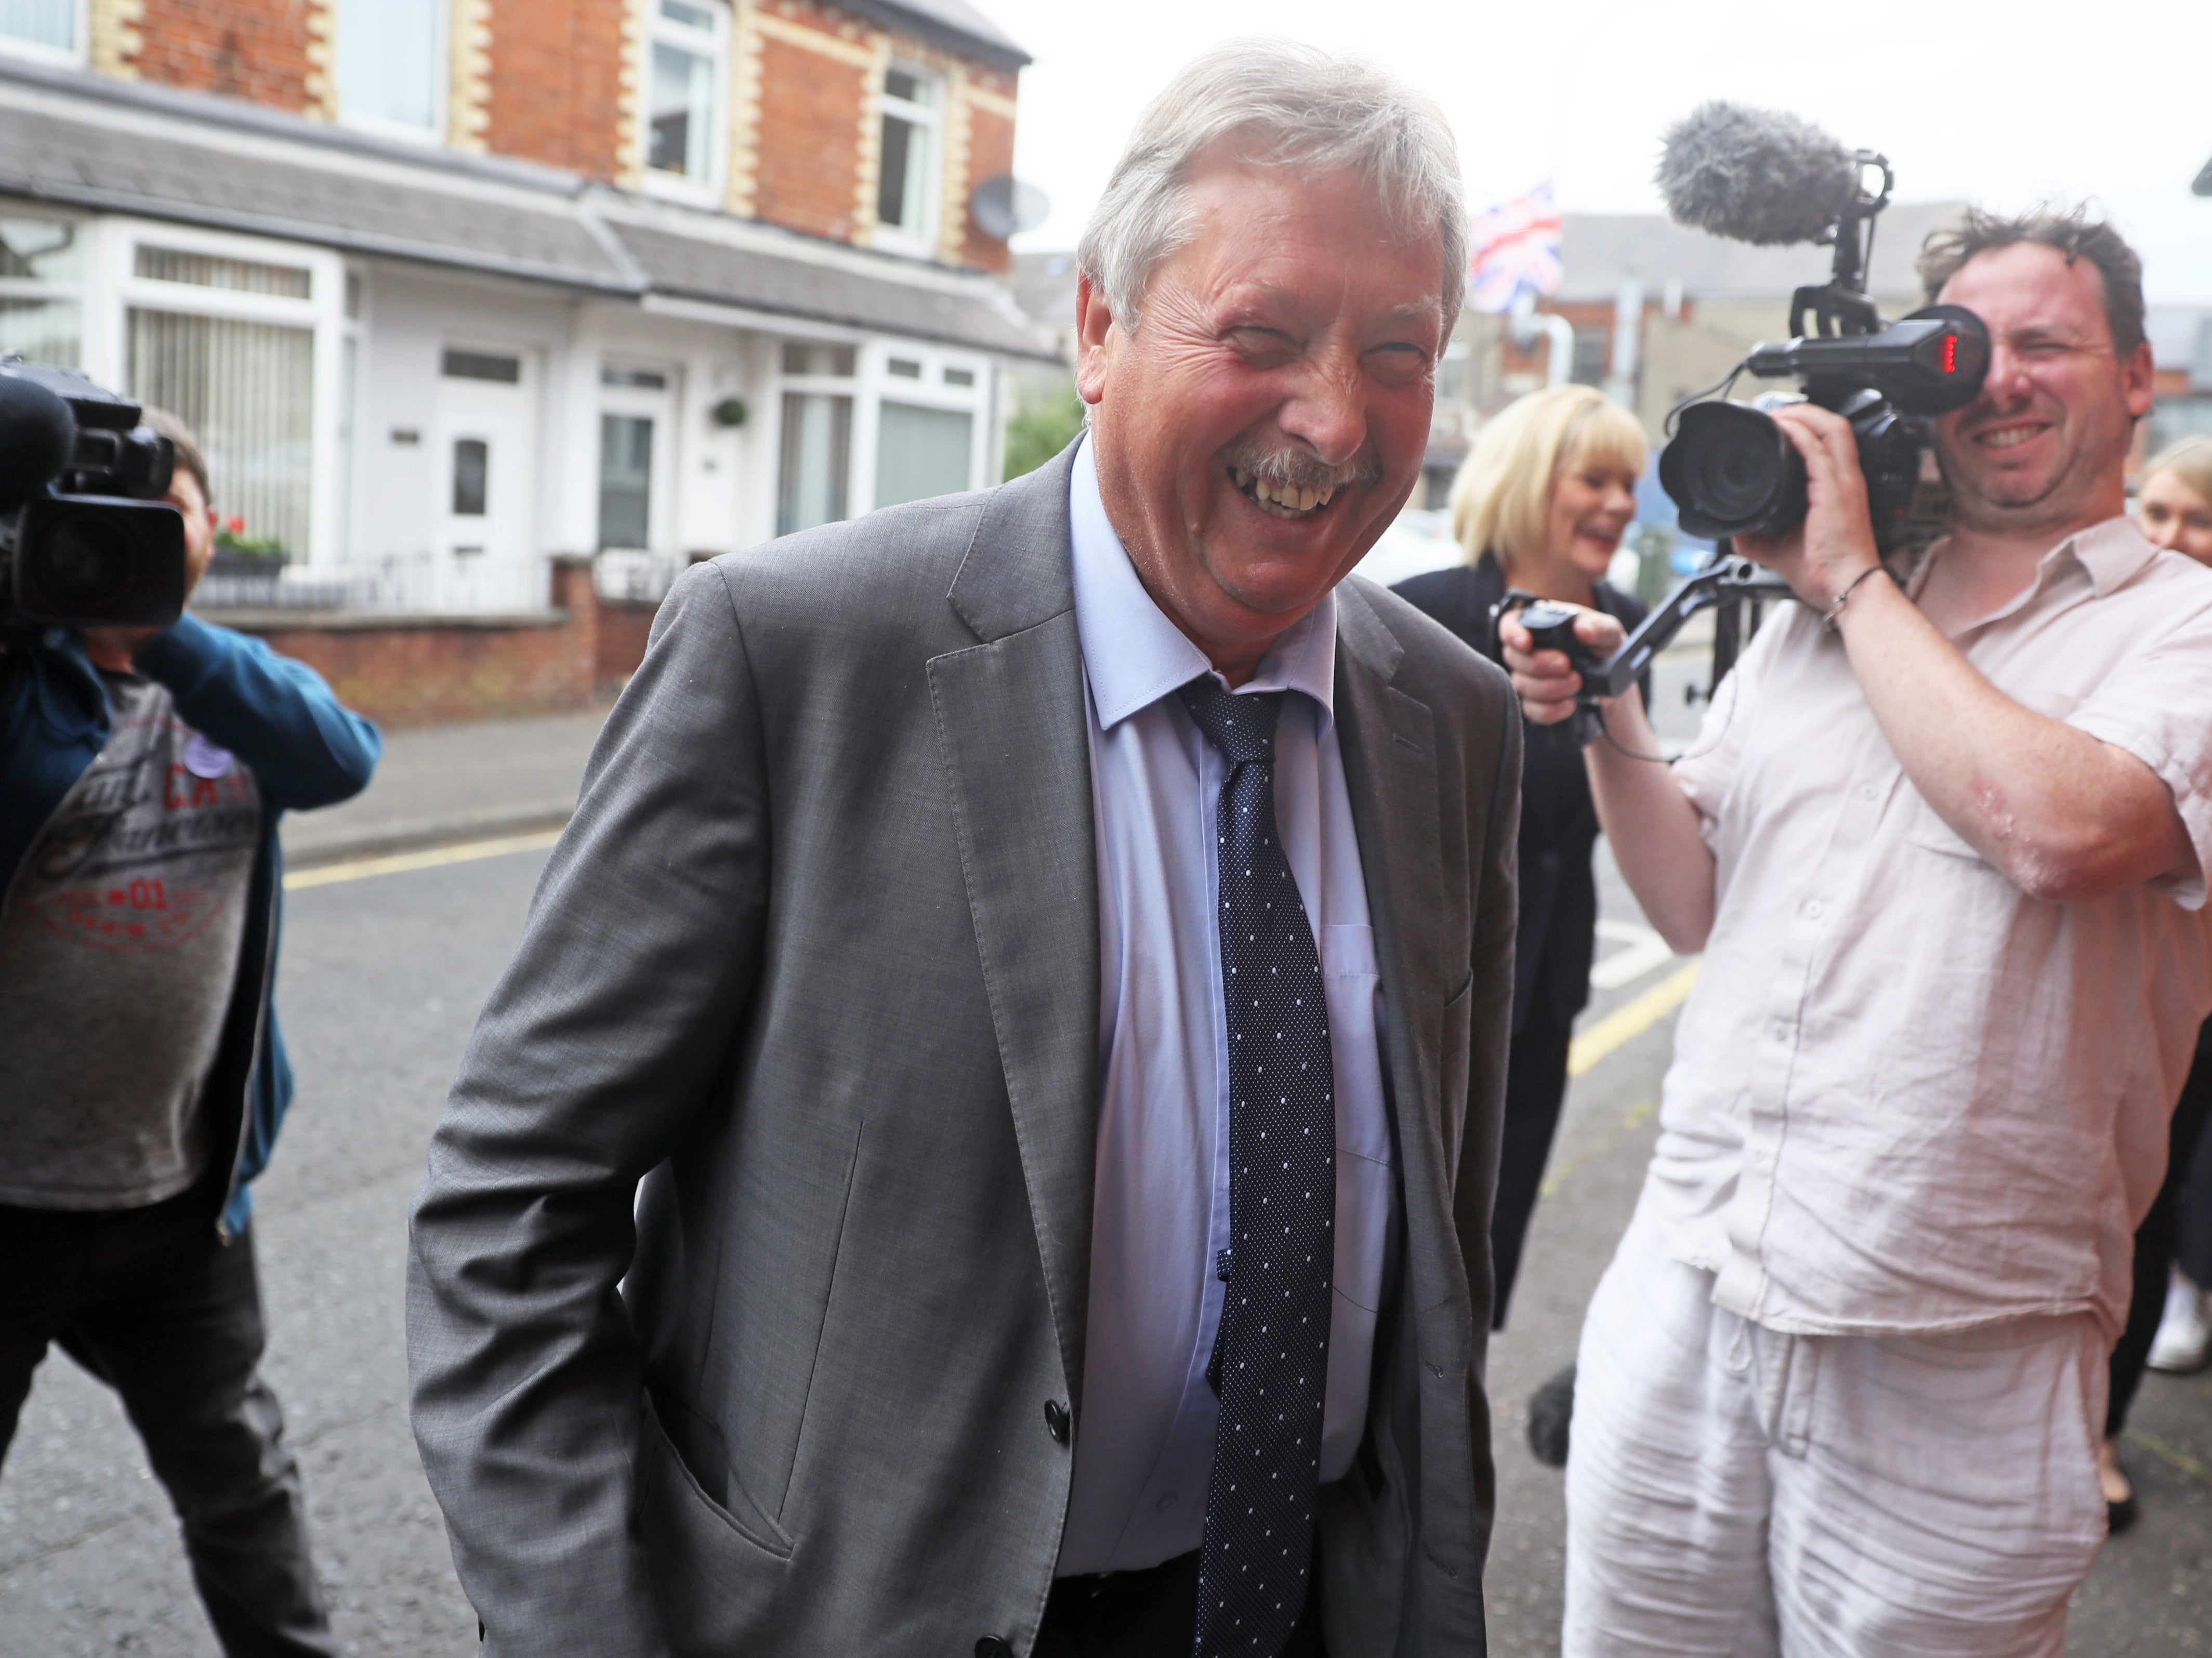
1950,354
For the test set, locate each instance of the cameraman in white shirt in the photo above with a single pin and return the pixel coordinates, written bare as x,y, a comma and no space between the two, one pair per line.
1943,845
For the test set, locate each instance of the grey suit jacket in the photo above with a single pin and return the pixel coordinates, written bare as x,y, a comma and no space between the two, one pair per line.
755,1237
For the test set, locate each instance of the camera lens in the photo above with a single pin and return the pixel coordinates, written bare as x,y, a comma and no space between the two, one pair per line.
83,563
1730,470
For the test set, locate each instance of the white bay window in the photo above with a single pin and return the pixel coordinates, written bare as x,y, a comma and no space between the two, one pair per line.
243,339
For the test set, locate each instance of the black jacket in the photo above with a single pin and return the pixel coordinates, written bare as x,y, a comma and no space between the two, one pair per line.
1557,930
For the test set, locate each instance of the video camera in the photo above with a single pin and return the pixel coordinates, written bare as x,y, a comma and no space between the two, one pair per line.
86,539
1756,176
1729,465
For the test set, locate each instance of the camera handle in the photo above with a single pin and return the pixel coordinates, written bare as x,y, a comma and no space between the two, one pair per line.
1723,580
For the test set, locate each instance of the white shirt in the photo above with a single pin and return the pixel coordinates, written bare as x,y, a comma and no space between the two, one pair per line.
1906,1095
1143,1440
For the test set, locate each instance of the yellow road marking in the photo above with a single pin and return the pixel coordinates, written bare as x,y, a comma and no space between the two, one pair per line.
1630,1020
398,863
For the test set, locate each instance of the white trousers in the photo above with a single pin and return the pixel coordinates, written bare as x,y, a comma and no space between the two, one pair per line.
1735,1493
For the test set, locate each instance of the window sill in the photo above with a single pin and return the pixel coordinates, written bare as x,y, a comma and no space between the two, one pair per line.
57,56
907,246
674,187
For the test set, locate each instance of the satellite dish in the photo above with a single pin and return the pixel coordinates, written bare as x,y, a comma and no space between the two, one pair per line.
2204,185
1003,205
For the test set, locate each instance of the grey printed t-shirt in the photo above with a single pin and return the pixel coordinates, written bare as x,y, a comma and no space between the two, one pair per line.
119,936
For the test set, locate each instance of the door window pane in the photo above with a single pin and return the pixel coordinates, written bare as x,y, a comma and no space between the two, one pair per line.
921,452
802,357
389,67
625,479
40,22
471,468
817,439
494,366
247,389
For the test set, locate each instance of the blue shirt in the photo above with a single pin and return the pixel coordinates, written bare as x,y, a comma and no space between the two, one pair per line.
1143,1442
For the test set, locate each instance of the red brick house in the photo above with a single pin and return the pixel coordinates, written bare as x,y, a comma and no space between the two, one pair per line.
454,287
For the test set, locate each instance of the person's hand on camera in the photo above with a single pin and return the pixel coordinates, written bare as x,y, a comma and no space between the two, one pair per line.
1546,681
1834,546
115,648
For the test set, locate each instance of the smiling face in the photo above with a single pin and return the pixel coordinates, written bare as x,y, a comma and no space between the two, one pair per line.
2045,446
1592,504
1260,429
2174,516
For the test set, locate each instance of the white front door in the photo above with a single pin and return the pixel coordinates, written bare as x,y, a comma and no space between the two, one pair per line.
637,480
485,553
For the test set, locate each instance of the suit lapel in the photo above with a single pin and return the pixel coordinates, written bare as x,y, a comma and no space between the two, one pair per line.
1012,726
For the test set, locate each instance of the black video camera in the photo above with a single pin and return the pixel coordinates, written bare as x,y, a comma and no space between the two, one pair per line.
86,539
1730,469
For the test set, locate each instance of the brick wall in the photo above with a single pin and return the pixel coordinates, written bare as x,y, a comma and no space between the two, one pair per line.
624,626
990,152
809,151
251,49
544,80
411,671
556,83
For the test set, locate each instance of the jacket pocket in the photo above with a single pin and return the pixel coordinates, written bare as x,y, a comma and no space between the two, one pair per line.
714,1580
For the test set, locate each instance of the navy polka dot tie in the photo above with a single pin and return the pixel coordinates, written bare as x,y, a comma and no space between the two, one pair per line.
1271,1358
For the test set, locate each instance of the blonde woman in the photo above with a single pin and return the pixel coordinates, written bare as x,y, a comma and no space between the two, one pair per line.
1541,505
2168,1326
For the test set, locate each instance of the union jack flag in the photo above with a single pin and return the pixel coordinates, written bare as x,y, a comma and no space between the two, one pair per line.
1513,249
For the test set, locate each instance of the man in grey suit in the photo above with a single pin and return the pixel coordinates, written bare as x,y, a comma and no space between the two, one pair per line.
987,1144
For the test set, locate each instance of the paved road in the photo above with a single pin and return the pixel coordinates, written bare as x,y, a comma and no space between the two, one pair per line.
381,979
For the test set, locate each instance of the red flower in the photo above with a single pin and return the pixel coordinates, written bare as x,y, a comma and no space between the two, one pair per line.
235,524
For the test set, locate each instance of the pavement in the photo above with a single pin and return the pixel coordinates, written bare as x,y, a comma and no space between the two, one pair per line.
405,906
444,783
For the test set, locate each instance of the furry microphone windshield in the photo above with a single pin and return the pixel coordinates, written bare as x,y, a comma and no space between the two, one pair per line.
1755,175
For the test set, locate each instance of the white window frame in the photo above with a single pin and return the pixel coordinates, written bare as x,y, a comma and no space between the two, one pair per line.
873,382
117,286
442,80
663,31
73,57
921,237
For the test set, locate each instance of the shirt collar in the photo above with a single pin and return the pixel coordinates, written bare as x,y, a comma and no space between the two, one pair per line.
1134,655
2108,555
2111,552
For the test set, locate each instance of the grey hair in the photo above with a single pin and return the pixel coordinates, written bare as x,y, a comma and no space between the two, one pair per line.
1282,103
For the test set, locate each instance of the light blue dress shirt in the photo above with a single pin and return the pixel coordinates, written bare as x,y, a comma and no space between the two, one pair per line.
1144,1441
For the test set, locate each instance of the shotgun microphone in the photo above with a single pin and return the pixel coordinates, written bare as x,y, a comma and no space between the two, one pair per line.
1756,175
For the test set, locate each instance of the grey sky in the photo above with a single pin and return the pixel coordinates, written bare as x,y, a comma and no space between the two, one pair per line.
1995,100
